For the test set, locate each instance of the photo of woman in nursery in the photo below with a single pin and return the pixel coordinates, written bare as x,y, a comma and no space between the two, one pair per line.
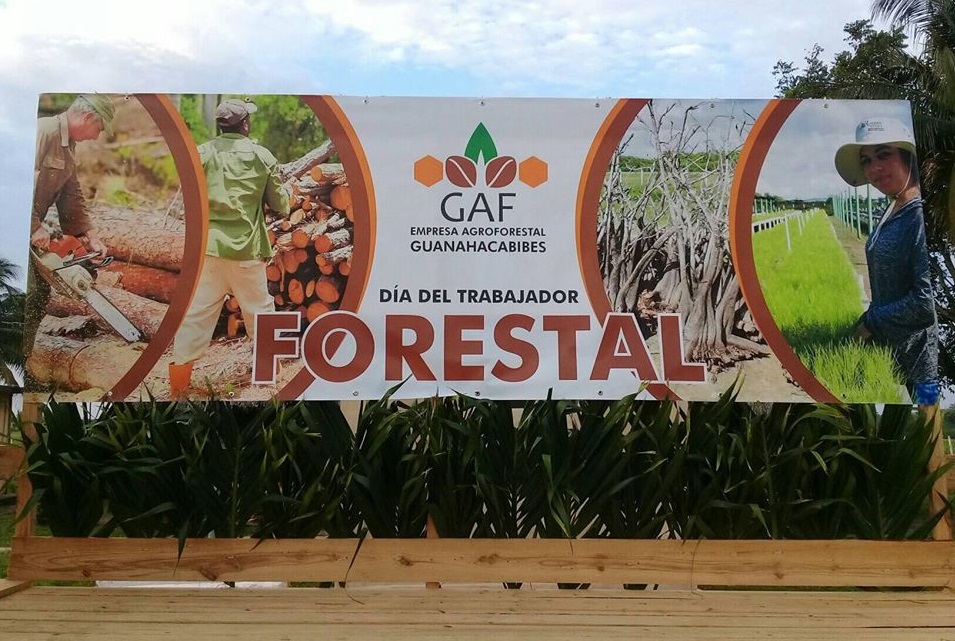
901,314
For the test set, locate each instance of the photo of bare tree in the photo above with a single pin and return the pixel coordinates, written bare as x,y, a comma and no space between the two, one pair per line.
663,238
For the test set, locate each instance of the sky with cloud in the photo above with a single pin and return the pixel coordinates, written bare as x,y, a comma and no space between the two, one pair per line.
559,48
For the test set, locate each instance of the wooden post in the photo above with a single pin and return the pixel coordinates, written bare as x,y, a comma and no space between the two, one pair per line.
432,531
943,529
28,416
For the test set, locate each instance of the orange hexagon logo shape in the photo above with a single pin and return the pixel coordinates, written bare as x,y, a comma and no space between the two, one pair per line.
532,171
428,171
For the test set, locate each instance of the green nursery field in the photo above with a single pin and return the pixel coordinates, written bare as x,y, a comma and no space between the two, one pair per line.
815,298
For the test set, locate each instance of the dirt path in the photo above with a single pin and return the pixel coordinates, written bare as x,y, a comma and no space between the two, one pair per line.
855,250
763,380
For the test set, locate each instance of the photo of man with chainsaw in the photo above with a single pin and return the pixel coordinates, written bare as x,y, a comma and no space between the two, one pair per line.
56,185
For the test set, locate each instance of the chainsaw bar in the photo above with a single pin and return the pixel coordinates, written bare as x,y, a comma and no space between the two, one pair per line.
116,319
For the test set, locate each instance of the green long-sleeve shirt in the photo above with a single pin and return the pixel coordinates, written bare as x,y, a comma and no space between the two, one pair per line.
241,175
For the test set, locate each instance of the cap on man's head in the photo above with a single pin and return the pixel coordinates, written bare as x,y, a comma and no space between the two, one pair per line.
102,106
232,111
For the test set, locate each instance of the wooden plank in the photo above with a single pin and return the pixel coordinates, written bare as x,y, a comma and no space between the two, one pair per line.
473,611
287,631
11,460
8,587
156,559
669,562
138,615
29,415
891,607
938,499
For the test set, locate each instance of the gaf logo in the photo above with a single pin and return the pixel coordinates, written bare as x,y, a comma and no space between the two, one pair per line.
463,171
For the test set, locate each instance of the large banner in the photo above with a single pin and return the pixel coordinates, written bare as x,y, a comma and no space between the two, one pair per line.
336,247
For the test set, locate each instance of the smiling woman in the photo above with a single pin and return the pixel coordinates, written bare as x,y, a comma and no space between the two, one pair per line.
902,312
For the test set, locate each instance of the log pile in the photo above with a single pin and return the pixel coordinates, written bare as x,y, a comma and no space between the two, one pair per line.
313,246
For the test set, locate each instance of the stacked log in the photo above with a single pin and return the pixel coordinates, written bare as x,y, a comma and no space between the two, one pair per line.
149,282
312,247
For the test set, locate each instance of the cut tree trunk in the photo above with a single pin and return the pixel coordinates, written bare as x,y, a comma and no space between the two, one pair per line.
313,249
297,168
333,240
332,173
141,238
340,198
75,327
74,366
144,313
149,282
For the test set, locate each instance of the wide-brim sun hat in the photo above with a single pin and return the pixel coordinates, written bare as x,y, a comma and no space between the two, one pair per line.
874,131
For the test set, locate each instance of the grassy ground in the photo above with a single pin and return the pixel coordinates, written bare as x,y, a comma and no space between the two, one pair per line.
813,293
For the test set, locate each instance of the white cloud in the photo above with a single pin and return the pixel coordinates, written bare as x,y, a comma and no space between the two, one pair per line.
490,48
681,51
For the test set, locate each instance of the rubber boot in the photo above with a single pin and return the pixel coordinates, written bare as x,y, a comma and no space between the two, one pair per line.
180,377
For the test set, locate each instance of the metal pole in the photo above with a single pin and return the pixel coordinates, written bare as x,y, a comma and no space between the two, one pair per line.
855,195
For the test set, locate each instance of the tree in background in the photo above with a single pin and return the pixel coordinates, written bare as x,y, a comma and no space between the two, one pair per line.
11,322
284,125
880,65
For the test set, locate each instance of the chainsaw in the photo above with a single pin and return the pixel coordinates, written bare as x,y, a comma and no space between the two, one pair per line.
71,271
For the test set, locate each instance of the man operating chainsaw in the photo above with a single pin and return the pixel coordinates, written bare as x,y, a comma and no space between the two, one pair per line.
241,176
56,184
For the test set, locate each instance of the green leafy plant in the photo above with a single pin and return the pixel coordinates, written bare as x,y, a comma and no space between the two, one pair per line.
503,472
389,471
638,505
451,450
64,467
308,449
892,482
144,471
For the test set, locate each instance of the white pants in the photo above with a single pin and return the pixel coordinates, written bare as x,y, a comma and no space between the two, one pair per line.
244,279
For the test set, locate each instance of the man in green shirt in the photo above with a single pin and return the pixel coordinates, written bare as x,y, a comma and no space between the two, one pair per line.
241,176
55,184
